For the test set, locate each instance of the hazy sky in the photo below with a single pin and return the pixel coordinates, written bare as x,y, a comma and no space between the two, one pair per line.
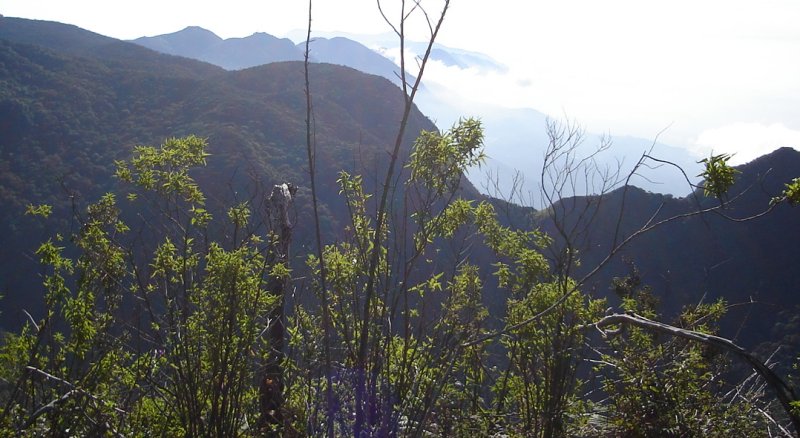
716,74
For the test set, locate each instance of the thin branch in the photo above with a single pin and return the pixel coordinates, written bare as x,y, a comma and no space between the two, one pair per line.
71,386
311,149
33,321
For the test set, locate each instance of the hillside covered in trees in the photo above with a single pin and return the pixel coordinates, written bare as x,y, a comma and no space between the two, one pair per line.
209,284
73,102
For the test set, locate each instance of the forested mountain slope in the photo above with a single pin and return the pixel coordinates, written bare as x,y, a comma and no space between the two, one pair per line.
72,102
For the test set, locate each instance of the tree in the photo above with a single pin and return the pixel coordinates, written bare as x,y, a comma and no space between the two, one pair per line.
167,340
668,386
406,373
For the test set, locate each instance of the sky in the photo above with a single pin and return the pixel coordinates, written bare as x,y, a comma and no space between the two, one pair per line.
704,75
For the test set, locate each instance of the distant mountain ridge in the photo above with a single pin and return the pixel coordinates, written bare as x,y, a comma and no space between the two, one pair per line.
385,42
231,54
263,48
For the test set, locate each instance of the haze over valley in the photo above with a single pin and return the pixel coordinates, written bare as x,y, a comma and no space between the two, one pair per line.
515,137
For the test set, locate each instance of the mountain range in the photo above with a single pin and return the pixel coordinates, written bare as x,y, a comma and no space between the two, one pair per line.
72,102
262,48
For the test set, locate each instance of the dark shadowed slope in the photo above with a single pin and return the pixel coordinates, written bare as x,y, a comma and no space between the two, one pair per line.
702,258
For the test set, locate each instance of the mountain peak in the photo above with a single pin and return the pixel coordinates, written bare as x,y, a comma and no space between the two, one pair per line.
195,32
191,42
259,37
784,152
195,29
778,159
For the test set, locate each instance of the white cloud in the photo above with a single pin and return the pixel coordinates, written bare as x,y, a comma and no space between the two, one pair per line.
746,140
493,87
467,88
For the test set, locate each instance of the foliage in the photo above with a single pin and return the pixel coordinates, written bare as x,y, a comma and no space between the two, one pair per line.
417,369
669,387
718,176
437,160
542,383
791,193
171,340
168,335
796,403
168,343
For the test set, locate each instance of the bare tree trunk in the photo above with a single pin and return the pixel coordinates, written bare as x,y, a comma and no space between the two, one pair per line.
271,385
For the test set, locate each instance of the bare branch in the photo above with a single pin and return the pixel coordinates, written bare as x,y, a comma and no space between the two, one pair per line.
386,19
30,318
311,151
71,386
